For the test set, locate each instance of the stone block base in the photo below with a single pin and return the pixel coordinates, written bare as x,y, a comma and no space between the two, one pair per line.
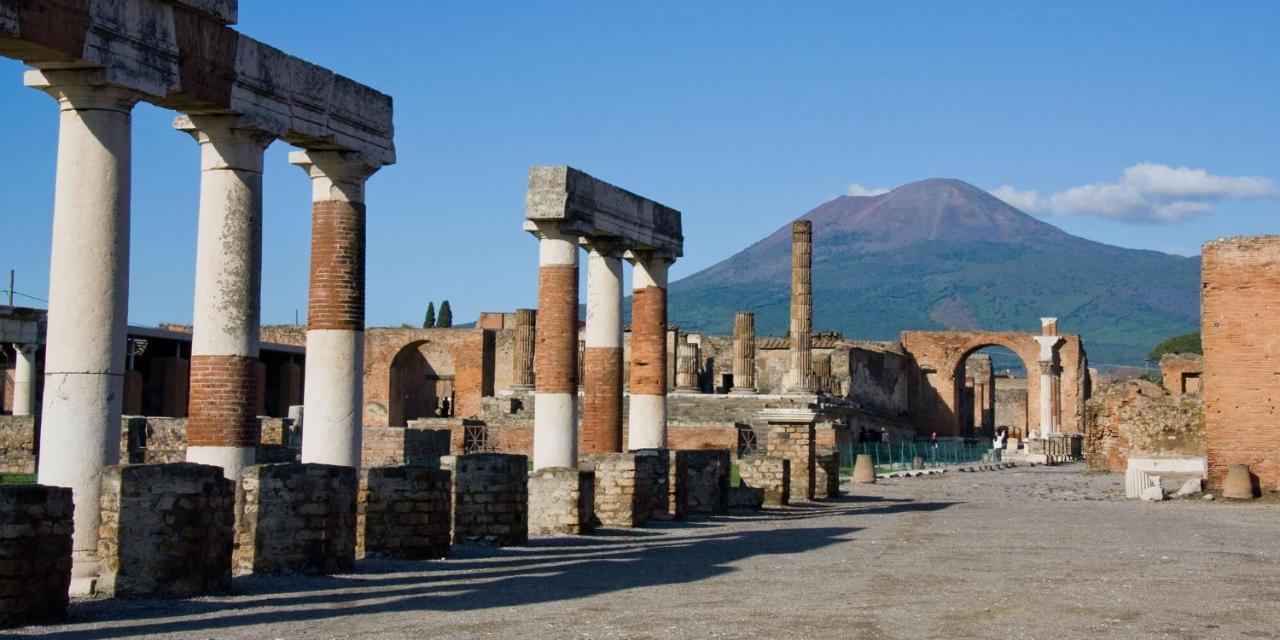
561,502
826,474
659,494
624,487
795,442
771,475
296,518
166,530
490,498
396,446
404,512
746,498
35,553
702,482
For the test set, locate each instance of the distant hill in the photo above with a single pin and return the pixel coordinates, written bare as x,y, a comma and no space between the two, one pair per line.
939,254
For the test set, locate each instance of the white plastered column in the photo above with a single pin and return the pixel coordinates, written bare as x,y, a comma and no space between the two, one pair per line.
88,298
1048,346
228,288
24,379
555,421
647,419
333,394
604,299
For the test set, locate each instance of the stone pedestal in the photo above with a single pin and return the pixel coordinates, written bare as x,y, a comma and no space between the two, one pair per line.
791,436
167,530
826,474
35,552
296,518
624,486
561,502
657,465
490,498
702,482
404,512
770,474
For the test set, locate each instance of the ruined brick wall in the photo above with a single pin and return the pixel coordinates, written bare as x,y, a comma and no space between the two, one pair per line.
1011,405
795,442
296,518
17,444
35,553
462,360
1181,372
166,530
1240,332
404,512
290,334
395,446
826,474
490,498
770,474
1139,419
561,501
702,482
879,379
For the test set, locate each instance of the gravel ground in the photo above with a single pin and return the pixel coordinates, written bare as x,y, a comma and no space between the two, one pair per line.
1043,552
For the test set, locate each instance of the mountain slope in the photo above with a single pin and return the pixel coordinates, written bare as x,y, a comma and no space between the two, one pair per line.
940,254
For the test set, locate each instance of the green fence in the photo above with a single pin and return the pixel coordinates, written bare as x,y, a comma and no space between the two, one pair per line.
894,456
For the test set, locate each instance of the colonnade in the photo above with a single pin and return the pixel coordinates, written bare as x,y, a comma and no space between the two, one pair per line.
89,290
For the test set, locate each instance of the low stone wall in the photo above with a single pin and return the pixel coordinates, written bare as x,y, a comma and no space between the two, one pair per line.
17,444
659,494
166,530
623,488
35,553
702,482
770,474
158,440
826,474
561,501
404,512
490,498
296,518
795,442
397,446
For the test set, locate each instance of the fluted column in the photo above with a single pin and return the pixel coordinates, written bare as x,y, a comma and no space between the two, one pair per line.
647,425
602,356
687,356
222,429
523,349
555,421
88,295
24,379
799,374
333,393
744,353
822,373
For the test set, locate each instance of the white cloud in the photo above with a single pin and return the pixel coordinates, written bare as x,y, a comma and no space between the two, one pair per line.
1147,192
856,189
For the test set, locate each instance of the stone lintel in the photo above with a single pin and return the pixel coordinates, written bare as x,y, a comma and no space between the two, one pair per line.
788,416
587,206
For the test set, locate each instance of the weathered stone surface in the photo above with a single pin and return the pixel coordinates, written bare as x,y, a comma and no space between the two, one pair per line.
1139,419
770,474
561,501
795,442
657,465
17,444
702,482
404,512
35,553
396,446
296,518
746,498
826,474
166,530
581,204
490,498
624,487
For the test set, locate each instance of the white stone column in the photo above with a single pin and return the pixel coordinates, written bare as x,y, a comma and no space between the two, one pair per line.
647,422
334,388
24,379
555,421
1048,346
222,429
602,357
88,298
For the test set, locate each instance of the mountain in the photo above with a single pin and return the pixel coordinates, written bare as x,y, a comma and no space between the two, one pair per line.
944,254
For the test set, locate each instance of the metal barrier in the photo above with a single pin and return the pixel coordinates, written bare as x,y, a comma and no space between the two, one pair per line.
897,456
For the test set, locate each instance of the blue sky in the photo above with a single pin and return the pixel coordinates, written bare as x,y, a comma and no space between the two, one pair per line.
742,115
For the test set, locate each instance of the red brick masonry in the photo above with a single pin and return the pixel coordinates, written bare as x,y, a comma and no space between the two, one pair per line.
337,266
649,341
602,401
224,393
556,356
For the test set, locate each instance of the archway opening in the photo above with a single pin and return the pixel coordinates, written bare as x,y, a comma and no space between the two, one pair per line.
991,393
421,383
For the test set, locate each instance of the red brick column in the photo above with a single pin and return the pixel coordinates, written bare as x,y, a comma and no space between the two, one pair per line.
647,428
555,437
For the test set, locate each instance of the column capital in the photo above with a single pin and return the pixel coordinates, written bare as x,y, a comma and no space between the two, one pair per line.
649,257
335,175
1047,346
226,141
76,89
607,247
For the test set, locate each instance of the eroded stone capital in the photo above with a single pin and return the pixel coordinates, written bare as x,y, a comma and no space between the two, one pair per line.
335,175
226,141
82,89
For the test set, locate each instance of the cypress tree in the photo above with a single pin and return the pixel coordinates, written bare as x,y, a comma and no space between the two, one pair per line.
430,320
446,316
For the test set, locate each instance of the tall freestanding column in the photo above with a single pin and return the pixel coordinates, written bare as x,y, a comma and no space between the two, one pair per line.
555,422
744,352
335,307
523,349
800,373
602,361
88,297
1048,346
647,428
222,428
24,380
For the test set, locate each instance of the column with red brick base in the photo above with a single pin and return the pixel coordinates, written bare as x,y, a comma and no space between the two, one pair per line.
88,297
602,384
555,423
222,429
333,393
647,427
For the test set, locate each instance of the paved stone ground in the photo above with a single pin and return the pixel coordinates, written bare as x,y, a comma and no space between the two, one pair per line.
1041,552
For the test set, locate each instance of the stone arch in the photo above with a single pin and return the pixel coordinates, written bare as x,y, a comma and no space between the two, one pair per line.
957,375
420,378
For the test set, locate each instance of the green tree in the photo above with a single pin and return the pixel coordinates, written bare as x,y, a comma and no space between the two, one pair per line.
430,320
1186,343
446,316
